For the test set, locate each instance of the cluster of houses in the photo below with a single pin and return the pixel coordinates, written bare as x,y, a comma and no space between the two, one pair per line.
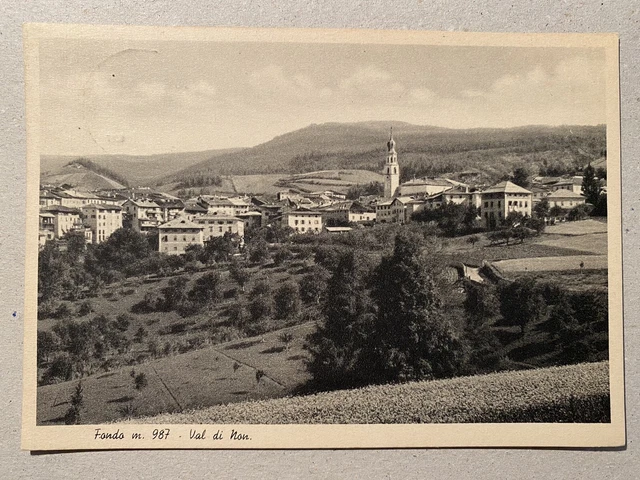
179,223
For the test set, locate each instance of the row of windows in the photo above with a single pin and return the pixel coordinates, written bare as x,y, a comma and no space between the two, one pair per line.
220,229
302,229
175,238
516,203
302,222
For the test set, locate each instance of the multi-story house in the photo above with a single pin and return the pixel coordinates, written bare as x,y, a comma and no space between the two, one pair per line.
303,220
218,225
64,220
224,205
175,236
564,199
252,218
143,215
46,229
502,199
348,212
103,220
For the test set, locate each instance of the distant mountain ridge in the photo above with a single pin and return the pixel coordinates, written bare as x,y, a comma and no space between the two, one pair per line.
481,154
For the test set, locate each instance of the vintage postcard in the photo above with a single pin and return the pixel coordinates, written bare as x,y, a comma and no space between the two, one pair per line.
289,238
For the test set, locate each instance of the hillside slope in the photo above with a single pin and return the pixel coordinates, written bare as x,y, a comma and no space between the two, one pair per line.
575,393
422,150
81,177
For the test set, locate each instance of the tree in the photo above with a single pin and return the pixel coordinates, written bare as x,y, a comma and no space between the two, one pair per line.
287,300
541,210
473,239
314,285
47,345
521,177
521,303
73,417
590,185
258,250
239,274
174,293
413,338
207,289
601,173
338,347
140,381
480,304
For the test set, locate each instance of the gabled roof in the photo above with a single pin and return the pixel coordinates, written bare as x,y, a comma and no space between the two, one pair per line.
62,209
564,193
182,222
385,203
251,213
403,200
197,218
506,187
144,203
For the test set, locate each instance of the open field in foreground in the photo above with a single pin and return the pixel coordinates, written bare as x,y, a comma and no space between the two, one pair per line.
215,375
576,393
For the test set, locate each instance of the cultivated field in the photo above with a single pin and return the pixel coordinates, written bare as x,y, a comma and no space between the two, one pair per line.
576,393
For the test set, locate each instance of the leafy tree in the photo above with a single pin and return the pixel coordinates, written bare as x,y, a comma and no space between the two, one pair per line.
541,209
557,211
314,285
239,274
283,254
258,251
601,173
174,293
338,347
521,177
47,345
413,338
521,303
207,289
480,304
287,300
590,185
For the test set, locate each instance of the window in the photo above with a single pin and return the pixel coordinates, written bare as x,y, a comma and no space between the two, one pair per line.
491,204
219,229
175,239
486,204
526,204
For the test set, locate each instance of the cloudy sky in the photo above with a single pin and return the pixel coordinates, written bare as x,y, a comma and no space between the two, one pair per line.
157,97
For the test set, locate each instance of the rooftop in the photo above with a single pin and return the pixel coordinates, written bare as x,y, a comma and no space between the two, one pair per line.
181,222
564,193
506,187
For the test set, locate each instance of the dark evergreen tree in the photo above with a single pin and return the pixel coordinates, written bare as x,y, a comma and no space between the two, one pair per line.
590,185
339,345
521,177
412,338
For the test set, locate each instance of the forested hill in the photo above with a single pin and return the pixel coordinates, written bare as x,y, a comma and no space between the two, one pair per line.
477,155
486,154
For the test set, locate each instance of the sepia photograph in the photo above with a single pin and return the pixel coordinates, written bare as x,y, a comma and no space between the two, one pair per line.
254,238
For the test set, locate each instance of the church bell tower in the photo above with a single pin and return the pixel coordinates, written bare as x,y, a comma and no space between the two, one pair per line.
391,169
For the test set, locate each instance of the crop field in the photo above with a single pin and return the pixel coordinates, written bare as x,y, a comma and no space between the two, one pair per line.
576,393
221,374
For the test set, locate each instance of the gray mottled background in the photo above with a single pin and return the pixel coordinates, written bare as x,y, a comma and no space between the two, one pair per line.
621,16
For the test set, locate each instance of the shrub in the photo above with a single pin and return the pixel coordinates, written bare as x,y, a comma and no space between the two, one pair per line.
287,300
47,345
60,370
140,381
122,322
85,308
283,255
261,307
140,335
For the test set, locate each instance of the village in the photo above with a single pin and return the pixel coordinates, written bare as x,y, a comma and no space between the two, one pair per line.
178,223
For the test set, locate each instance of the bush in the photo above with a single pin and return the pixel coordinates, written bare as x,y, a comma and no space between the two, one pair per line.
60,370
140,381
140,335
287,300
283,255
122,322
85,308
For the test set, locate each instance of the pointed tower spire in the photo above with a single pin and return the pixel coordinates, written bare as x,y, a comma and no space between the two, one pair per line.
391,144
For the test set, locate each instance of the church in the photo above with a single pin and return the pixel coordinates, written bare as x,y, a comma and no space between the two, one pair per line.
391,169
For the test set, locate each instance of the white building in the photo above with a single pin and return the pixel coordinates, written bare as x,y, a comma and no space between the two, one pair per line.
103,220
502,199
303,221
218,225
175,236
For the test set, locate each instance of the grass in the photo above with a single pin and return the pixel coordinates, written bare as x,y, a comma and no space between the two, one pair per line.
539,264
576,393
573,280
209,376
